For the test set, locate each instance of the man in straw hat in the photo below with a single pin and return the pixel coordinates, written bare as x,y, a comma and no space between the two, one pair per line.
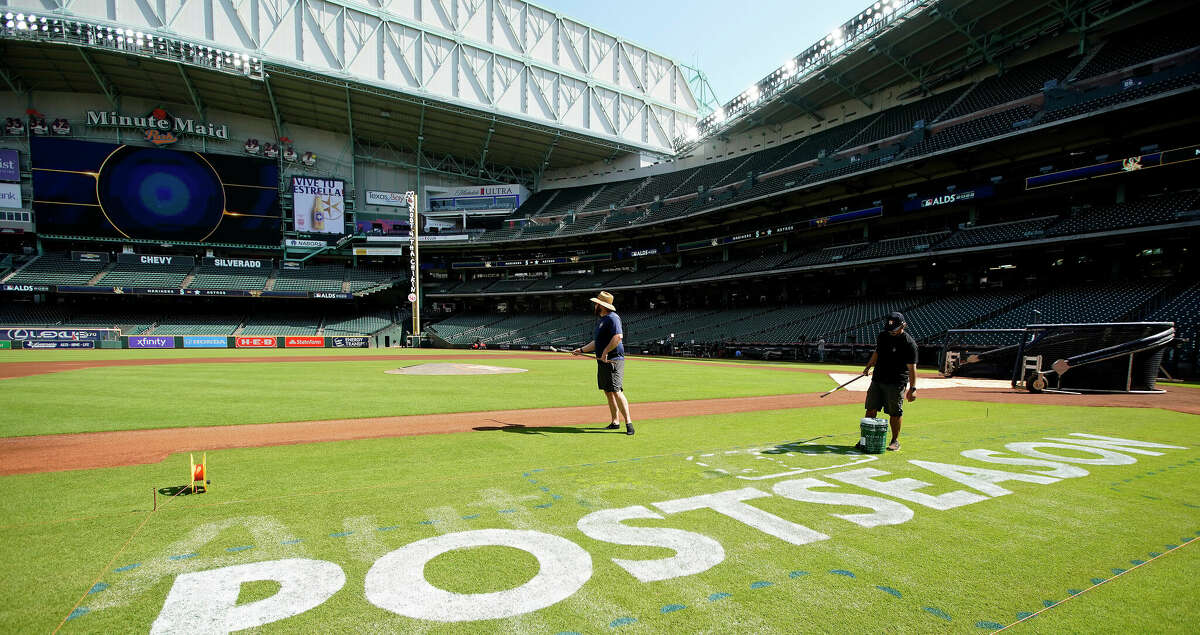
610,358
895,362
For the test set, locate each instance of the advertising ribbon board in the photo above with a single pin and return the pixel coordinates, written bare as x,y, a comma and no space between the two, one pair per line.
5,344
151,341
47,344
36,288
10,168
16,335
351,342
256,342
155,261
205,341
304,342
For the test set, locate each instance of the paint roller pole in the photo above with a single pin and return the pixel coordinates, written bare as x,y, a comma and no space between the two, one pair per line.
842,386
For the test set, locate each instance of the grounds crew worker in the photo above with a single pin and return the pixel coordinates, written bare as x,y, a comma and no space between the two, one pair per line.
610,358
895,362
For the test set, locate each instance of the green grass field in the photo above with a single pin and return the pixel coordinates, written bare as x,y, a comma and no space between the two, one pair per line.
970,551
212,394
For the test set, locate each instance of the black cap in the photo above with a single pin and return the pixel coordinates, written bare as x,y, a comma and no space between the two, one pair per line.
894,321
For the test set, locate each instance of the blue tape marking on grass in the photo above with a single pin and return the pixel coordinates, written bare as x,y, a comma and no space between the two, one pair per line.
540,469
1155,554
796,574
988,625
621,621
533,480
544,488
1137,562
1118,571
587,465
471,517
79,612
1186,539
182,556
237,549
97,587
842,572
543,505
1048,603
612,461
636,458
128,567
568,633
291,542
556,497
427,522
1169,547
525,474
761,584
1097,580
387,528
888,589
508,511
341,534
1074,591
1023,614
671,608
1153,498
936,612
718,596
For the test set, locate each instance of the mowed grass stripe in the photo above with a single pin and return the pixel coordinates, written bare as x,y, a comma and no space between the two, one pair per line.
984,562
214,394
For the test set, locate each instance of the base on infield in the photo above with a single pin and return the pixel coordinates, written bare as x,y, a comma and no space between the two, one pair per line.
454,369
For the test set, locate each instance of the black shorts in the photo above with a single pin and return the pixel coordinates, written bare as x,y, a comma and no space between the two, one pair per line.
610,374
886,397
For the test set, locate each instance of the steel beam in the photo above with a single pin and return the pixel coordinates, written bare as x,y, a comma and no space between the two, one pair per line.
973,43
848,87
106,86
13,81
902,63
486,142
545,161
805,105
187,81
274,109
349,120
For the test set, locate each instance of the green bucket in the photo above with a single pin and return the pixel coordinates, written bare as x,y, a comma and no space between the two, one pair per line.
874,435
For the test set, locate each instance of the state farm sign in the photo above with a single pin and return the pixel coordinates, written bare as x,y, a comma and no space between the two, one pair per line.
256,342
304,342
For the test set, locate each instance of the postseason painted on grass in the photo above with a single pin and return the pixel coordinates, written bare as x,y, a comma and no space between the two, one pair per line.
207,601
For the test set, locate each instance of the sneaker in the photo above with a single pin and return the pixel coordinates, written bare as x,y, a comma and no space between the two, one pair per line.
629,428
613,426
893,446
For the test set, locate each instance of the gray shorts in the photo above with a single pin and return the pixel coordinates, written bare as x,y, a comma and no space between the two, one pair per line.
611,374
886,397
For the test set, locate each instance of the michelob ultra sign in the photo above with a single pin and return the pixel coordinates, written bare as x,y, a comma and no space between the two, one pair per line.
318,205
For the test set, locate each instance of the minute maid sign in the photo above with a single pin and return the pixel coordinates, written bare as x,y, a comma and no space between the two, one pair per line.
159,127
203,599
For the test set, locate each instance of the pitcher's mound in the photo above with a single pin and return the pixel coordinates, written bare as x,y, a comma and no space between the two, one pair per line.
454,369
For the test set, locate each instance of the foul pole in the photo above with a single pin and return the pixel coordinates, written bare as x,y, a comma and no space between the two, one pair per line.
414,263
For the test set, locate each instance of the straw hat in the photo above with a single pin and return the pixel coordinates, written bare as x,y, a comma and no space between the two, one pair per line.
605,300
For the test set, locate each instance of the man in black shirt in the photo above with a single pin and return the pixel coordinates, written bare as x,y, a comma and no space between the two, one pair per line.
895,362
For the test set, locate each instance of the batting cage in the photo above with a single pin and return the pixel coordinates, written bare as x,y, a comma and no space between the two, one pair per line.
1098,357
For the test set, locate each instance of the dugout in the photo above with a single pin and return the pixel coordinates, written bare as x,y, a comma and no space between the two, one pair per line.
1095,357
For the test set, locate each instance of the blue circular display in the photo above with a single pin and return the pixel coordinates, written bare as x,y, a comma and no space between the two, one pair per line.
161,194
